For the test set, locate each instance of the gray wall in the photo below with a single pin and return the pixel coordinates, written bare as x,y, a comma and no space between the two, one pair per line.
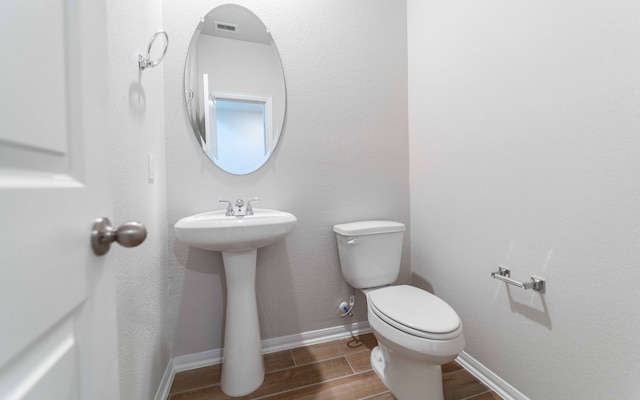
136,126
343,157
523,125
524,151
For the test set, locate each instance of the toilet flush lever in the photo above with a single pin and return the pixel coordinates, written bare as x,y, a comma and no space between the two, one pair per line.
353,241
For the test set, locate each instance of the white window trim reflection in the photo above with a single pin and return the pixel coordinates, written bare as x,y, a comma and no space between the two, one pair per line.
210,146
268,111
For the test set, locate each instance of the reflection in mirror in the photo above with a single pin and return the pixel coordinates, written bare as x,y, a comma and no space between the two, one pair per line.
234,89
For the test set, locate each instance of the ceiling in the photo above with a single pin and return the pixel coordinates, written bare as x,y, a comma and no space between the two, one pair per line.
248,26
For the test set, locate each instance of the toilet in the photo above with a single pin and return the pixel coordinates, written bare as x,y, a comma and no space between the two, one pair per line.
417,332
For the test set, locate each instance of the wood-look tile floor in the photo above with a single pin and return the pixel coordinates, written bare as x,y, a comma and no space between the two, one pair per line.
334,370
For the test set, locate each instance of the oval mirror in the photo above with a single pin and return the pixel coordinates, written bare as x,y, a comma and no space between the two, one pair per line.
234,89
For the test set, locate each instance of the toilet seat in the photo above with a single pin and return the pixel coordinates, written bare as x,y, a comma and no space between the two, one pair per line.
415,311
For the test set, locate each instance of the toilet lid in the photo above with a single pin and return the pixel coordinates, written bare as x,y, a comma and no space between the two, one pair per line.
415,311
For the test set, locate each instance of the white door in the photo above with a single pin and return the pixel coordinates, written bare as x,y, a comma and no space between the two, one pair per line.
57,300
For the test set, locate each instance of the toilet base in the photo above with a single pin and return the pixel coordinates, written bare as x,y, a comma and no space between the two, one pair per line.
409,379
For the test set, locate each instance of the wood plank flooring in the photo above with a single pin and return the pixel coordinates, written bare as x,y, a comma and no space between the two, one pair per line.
334,370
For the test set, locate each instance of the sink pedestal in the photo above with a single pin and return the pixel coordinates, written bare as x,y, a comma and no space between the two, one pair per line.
242,366
238,238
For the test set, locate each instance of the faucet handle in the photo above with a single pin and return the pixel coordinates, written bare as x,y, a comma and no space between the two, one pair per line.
230,211
249,209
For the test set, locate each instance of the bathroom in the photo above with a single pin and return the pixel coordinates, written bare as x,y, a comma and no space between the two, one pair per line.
500,133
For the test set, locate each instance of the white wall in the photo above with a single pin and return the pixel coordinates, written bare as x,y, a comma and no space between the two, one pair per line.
343,157
524,121
136,124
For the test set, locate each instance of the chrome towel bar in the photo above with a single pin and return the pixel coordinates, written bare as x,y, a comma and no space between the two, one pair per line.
504,274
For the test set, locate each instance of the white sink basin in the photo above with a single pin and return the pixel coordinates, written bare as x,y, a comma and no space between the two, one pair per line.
215,231
238,238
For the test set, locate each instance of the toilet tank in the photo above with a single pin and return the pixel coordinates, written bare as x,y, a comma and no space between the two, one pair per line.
370,252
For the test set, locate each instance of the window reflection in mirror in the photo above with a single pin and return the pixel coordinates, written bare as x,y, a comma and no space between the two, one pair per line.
241,138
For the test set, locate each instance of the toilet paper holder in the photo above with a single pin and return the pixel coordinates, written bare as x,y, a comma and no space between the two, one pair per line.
504,274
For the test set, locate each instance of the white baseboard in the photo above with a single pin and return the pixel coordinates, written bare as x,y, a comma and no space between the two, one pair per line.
165,384
212,357
314,337
486,376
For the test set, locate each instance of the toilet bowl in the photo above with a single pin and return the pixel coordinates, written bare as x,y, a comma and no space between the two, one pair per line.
417,332
412,343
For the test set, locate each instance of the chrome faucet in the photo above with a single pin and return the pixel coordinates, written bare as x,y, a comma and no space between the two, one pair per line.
240,209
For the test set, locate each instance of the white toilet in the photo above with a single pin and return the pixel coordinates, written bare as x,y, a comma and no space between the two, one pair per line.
416,331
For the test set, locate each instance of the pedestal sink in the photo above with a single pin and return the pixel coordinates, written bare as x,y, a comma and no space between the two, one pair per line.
238,238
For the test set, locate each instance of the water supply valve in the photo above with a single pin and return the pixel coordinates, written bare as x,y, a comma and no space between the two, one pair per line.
346,308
